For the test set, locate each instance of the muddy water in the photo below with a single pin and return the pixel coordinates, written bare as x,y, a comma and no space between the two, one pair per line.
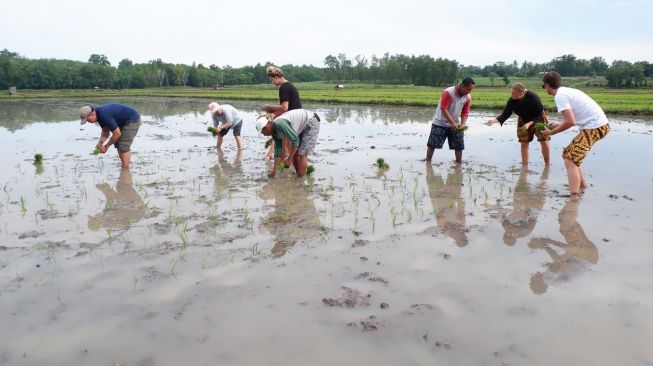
195,257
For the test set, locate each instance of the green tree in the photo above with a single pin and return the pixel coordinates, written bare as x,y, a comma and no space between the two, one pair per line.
492,76
99,60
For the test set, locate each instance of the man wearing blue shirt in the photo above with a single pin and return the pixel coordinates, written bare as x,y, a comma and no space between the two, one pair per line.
119,125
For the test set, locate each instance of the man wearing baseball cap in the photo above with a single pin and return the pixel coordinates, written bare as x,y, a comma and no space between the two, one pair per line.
301,128
119,124
226,117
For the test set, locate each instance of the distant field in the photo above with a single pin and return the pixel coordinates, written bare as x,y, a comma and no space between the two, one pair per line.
617,101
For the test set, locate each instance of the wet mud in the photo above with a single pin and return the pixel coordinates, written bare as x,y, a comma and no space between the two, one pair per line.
195,256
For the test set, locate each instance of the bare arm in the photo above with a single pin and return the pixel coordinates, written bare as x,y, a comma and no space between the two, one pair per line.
447,115
277,109
277,161
568,121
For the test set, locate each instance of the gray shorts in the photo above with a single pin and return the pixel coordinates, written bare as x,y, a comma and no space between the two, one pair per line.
127,134
308,137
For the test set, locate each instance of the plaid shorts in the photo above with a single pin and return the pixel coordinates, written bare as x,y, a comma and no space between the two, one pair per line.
439,134
308,137
127,134
582,143
526,136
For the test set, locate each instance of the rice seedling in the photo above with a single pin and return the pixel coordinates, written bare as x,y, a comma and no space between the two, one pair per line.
541,126
23,204
183,235
212,130
310,169
38,158
204,259
96,151
393,212
462,128
381,164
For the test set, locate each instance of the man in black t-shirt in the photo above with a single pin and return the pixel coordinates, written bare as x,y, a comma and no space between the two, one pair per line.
528,107
288,100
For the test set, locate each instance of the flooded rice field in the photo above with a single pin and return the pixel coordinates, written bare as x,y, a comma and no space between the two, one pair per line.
195,257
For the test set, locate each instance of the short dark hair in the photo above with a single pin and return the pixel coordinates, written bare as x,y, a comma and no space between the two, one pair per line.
553,79
468,81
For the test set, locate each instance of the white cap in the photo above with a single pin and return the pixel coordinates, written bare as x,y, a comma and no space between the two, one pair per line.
215,107
83,113
260,123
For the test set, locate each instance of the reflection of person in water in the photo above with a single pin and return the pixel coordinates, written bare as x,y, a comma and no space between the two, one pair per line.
226,173
527,203
294,218
124,205
448,205
570,258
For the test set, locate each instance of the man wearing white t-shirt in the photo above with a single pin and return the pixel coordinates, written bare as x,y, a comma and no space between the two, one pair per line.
577,108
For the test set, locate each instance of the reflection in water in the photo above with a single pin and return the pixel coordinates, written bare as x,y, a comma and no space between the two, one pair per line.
569,259
38,168
124,206
225,173
448,205
527,203
294,218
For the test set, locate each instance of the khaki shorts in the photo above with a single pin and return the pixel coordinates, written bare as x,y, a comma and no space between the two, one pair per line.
127,134
582,143
526,136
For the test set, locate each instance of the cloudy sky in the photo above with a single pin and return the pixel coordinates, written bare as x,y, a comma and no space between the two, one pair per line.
245,32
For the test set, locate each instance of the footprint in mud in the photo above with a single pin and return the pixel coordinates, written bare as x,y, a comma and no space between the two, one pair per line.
371,277
30,234
422,309
367,325
349,299
359,243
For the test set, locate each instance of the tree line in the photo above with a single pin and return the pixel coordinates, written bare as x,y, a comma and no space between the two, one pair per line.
26,73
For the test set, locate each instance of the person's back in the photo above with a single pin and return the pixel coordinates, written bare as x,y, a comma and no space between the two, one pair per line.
229,113
587,112
110,113
289,93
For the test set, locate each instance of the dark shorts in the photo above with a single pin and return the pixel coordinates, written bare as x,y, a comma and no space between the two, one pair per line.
527,135
127,134
439,134
236,129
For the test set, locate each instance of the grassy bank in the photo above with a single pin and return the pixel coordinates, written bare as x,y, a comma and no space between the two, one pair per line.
615,101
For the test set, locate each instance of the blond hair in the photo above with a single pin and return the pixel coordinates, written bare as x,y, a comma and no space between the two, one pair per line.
274,71
520,87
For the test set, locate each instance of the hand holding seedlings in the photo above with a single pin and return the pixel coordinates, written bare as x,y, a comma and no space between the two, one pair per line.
540,126
462,128
212,130
526,126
